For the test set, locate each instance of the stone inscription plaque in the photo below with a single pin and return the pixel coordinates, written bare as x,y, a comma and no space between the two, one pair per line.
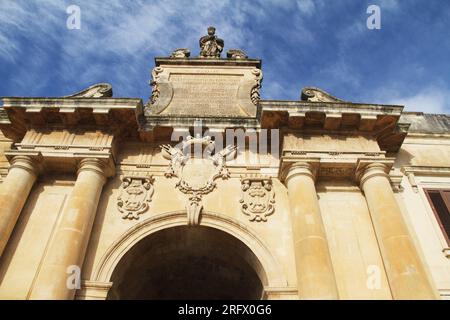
204,91
205,94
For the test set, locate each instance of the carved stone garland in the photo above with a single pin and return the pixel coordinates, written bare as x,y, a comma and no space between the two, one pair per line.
135,195
154,83
196,173
258,197
255,92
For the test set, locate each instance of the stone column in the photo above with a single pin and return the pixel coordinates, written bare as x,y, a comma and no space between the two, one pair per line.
68,245
405,271
315,273
14,192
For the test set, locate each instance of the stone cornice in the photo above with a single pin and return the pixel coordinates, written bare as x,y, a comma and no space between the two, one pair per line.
330,107
112,113
195,61
379,121
426,170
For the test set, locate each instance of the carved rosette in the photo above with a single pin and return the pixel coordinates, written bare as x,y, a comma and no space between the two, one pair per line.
258,198
135,196
255,92
196,172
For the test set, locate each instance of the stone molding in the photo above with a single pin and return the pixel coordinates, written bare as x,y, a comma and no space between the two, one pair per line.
100,162
282,293
426,170
93,290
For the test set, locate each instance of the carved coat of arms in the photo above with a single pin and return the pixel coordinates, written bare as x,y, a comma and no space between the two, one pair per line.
258,198
135,196
197,170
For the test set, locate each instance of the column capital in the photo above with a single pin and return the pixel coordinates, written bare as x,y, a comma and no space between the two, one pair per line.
307,167
367,168
93,164
30,163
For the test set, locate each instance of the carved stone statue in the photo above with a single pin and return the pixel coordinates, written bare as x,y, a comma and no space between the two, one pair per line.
211,46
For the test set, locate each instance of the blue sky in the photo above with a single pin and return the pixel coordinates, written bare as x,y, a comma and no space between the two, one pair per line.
322,43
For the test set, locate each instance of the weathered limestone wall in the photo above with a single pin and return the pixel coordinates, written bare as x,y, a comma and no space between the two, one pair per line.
354,250
352,241
109,225
423,150
31,236
425,161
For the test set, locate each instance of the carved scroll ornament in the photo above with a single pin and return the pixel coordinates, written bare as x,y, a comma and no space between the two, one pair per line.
312,94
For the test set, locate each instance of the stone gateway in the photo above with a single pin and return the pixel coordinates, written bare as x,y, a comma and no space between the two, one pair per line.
209,191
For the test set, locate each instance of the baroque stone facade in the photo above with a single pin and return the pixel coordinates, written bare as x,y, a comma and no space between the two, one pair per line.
317,198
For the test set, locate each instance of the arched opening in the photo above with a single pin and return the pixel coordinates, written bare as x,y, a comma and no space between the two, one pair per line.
188,263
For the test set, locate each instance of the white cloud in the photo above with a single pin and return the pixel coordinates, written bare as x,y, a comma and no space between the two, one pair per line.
429,100
135,30
306,6
342,72
391,5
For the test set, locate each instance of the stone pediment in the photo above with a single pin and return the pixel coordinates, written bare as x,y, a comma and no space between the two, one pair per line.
205,88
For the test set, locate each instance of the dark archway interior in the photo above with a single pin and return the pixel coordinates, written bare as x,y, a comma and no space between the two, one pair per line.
188,263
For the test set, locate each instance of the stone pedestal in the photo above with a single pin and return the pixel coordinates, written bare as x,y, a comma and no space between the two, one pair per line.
68,245
14,192
405,271
315,273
